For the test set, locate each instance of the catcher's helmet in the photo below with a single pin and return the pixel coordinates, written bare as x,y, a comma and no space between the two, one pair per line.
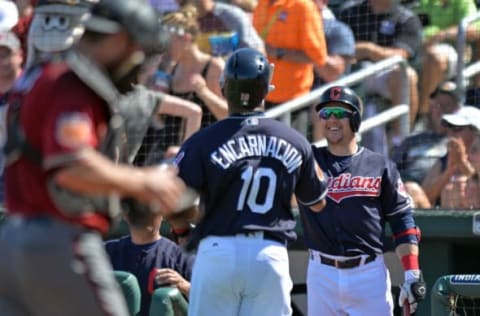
344,95
138,18
246,78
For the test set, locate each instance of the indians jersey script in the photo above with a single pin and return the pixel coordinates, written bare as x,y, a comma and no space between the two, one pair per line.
364,191
246,169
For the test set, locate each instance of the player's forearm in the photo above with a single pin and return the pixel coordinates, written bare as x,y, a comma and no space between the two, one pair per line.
406,249
408,255
333,68
95,174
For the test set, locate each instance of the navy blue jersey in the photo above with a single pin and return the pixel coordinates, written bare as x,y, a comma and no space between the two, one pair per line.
143,260
364,191
246,169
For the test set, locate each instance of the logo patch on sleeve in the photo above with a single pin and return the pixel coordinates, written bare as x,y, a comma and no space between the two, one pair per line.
401,188
74,130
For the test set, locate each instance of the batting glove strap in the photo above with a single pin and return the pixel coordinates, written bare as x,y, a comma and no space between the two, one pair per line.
413,289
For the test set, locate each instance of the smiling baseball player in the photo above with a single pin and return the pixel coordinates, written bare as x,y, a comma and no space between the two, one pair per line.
346,271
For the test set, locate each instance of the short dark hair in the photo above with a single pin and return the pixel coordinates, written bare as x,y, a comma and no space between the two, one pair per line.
138,214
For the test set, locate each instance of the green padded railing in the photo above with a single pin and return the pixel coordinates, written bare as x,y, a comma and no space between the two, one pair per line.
131,290
168,301
447,291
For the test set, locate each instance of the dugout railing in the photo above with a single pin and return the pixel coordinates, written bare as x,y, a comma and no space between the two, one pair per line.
457,294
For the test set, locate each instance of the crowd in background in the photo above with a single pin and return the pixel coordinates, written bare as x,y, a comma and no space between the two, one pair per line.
311,43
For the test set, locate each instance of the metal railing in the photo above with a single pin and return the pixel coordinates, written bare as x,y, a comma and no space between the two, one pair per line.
473,69
284,110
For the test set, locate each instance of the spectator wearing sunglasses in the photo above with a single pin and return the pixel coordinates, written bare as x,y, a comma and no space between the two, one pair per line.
453,181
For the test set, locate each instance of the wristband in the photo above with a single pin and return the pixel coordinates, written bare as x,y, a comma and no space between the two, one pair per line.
410,262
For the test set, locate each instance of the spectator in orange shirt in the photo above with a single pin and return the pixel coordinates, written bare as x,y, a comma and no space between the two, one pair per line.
295,42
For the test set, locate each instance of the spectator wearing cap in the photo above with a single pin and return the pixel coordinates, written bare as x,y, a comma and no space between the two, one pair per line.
452,182
416,155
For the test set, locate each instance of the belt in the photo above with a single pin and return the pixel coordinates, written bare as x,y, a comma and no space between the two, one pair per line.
255,234
342,264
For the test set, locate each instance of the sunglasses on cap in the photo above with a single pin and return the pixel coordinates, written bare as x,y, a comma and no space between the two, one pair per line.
338,113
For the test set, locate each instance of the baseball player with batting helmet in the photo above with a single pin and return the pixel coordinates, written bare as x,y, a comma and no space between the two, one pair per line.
346,271
63,181
246,168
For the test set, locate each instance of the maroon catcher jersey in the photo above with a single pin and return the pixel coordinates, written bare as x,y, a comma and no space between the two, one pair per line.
59,115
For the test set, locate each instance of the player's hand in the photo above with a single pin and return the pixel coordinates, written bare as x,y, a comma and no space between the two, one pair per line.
412,290
172,278
163,188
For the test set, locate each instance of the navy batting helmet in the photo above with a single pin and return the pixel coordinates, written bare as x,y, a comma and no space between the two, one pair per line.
137,17
344,95
246,78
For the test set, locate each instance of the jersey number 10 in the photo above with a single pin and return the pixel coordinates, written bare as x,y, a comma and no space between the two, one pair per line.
251,188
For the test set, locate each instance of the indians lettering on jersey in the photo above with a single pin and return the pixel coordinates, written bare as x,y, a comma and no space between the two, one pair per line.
257,145
345,186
